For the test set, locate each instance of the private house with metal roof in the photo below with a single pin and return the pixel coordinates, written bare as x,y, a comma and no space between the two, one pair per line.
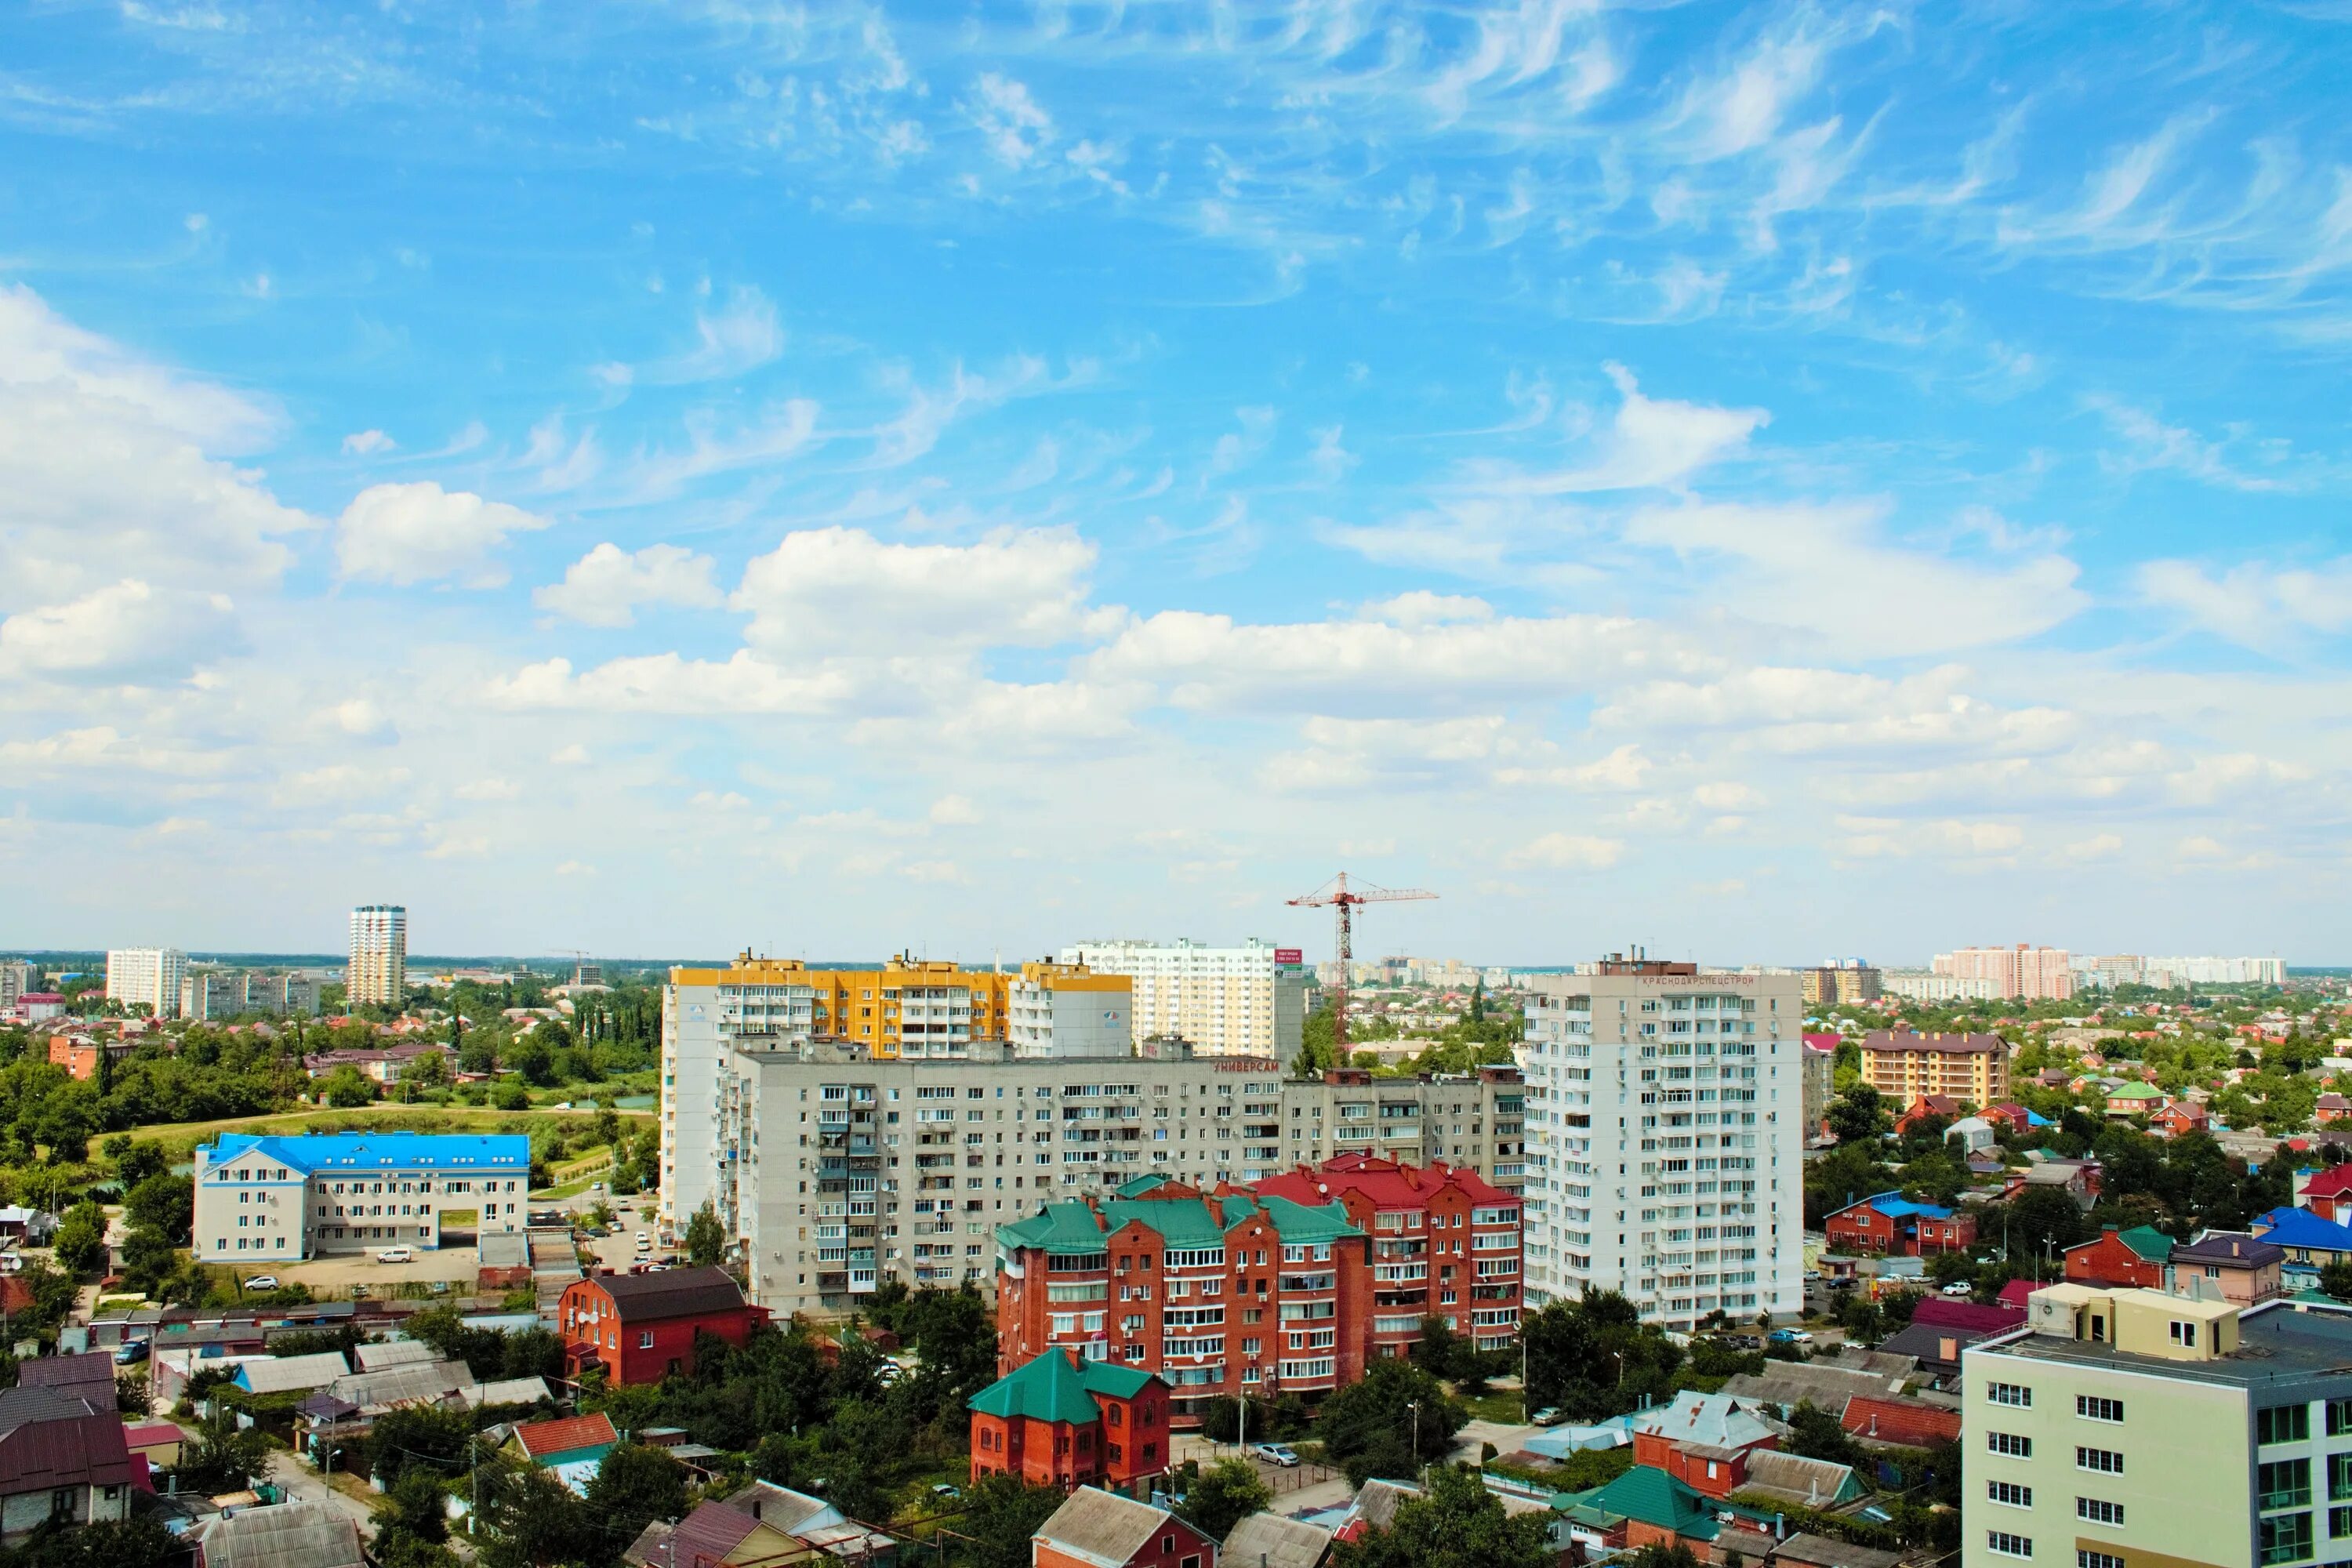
1445,1243
1060,1421
1644,1507
287,1536
2134,1258
762,1526
1219,1294
282,1199
2246,1270
2309,1243
1888,1225
62,1458
639,1327
1705,1440
1097,1529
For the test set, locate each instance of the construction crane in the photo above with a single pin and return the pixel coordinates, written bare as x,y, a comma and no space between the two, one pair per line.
1337,894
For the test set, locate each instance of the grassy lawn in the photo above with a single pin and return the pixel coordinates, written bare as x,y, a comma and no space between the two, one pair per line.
180,1137
1500,1406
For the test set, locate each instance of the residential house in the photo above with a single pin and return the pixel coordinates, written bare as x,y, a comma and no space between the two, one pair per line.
1889,1224
33,1228
1792,1478
1973,1133
2126,1099
1927,1107
2079,1179
63,1458
1935,1348
2327,1192
291,1373
1946,1311
2176,1117
1644,1507
2330,1109
1095,1528
1902,1423
1704,1440
89,1374
2245,1268
2122,1259
571,1448
1060,1421
2309,1242
1273,1540
2014,1116
288,1535
762,1526
639,1327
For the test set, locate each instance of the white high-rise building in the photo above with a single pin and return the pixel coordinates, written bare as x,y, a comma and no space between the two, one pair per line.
379,966
16,977
148,976
1664,1138
1227,1001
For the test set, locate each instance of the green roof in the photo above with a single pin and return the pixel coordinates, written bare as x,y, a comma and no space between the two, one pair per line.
2135,1092
1136,1186
2147,1242
1067,1229
1183,1222
1296,1223
1054,1388
1652,1496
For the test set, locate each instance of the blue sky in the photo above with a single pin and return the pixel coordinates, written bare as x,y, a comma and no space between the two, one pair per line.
1762,481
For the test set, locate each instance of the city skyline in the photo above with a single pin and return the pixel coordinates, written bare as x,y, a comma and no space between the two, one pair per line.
970,486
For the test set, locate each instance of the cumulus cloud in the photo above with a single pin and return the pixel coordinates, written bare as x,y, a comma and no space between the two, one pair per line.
1568,852
606,587
827,591
130,633
419,532
367,443
2259,606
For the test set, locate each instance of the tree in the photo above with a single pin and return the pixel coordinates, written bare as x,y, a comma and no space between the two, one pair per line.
511,1097
139,1541
418,1436
533,1059
1856,1115
1815,1434
704,1238
1222,1495
347,1089
222,1457
634,1486
1441,1349
163,1203
2335,1279
1458,1524
1593,1357
135,1161
532,1518
430,1070
81,1241
1000,1513
1372,1427
2042,1221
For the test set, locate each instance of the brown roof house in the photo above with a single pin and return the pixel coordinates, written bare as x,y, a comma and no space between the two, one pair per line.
62,1458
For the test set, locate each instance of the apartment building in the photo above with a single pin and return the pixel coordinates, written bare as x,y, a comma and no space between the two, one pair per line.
220,994
2024,973
1478,1122
2124,1427
1445,1243
272,1199
1067,1010
15,979
835,1171
379,961
1664,1138
1920,986
1904,1064
146,977
908,1009
1840,982
1219,1294
1249,1000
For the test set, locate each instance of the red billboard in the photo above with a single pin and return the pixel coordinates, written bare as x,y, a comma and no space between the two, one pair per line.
1288,955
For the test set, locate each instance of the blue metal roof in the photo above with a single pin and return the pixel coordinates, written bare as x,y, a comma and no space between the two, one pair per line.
1894,1205
2300,1227
506,1153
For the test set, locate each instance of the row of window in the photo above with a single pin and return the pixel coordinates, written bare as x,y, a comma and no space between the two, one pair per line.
2094,1511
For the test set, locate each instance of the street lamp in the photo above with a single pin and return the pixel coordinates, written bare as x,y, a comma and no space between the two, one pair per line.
1414,1405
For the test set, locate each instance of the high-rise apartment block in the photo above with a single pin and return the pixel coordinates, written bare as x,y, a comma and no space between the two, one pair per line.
1249,1000
1664,1138
146,977
379,965
16,978
2179,973
1067,1010
2139,1428
2020,972
220,994
1841,980
1904,1064
1479,1120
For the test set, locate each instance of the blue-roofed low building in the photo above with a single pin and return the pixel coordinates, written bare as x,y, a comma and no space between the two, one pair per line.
283,1199
2307,1243
1890,1225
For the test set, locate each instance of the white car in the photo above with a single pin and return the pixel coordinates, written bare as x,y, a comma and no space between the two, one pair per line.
1959,1287
262,1283
395,1255
1274,1454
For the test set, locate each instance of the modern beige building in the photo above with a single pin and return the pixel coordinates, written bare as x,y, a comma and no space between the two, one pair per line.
1227,1001
2145,1430
379,962
147,977
1904,1064
2025,973
1843,982
1067,1010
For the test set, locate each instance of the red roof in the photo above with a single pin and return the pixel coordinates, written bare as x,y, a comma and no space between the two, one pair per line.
541,1439
2016,1292
1945,1312
1823,1042
1904,1421
2333,1182
1389,1183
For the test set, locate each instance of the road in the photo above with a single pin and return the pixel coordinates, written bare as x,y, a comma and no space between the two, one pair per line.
301,1482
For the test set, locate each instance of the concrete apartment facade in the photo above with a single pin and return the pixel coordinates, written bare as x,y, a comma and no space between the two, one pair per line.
378,971
1903,1064
2136,1428
1664,1138
835,1169
280,1199
1227,1001
217,993
2025,973
146,977
16,977
1067,1010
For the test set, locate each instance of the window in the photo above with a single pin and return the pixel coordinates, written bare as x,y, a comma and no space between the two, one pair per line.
2283,1424
2009,1493
2096,1511
2010,1394
2184,1333
2091,1408
2339,1417
2004,1544
2106,1461
2010,1443
2284,1483
644,1338
2340,1523
2286,1539
2088,1559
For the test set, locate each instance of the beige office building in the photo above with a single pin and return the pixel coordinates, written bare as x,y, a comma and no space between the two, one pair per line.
379,965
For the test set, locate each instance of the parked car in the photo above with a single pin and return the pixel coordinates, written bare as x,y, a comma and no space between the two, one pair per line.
131,1352
946,1490
1789,1337
1547,1416
1274,1454
440,1286
262,1283
644,1241
1959,1287
395,1255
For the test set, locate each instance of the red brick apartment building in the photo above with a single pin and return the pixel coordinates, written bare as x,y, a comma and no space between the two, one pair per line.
1445,1243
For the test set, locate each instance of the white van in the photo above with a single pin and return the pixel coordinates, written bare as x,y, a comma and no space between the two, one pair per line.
395,1255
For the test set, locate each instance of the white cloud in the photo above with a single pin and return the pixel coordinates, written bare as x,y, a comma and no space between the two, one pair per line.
1015,127
367,443
1868,838
1653,443
489,789
574,755
130,633
954,811
606,586
1568,852
419,532
1423,608
575,868
2257,606
826,590
2154,444
2098,846
742,337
